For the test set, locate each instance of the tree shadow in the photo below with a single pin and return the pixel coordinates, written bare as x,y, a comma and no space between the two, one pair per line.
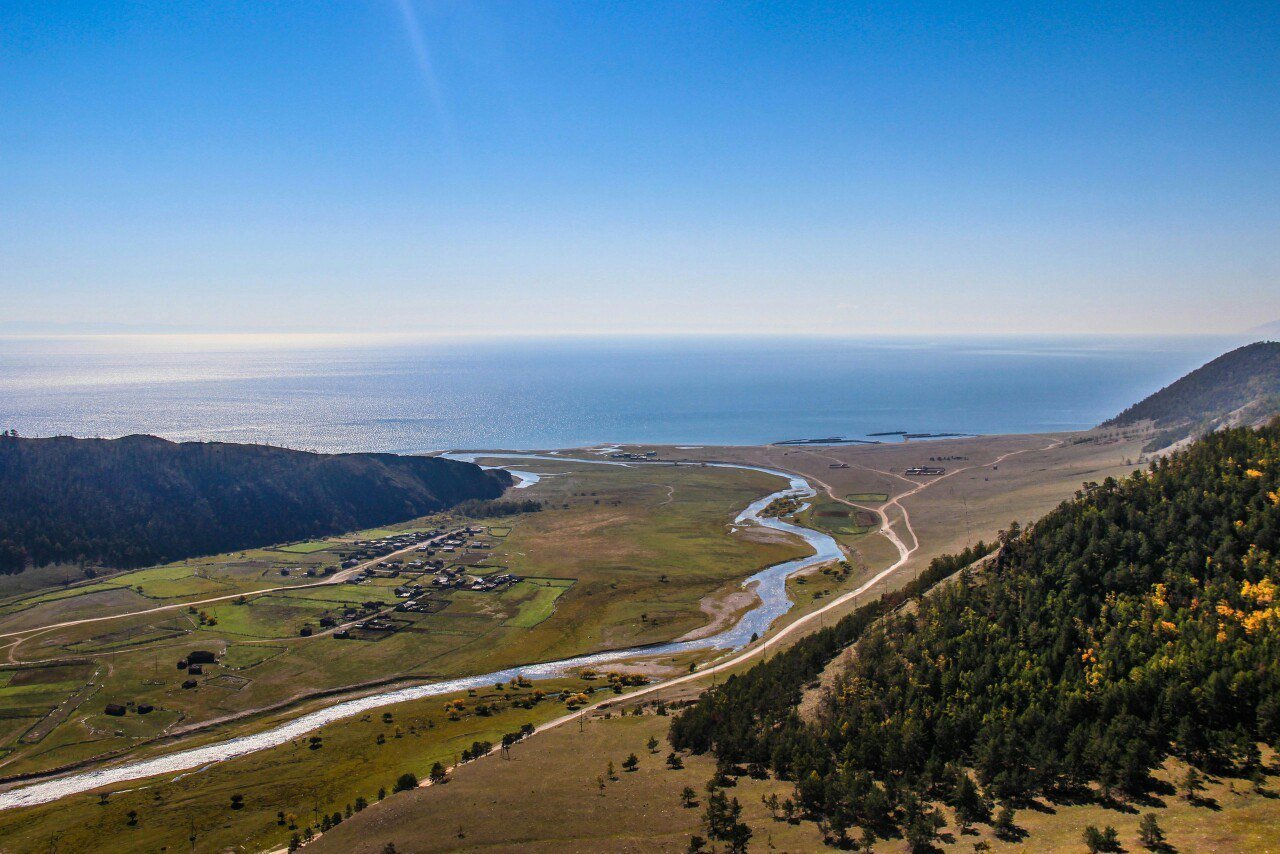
1149,800
1012,833
1113,803
1205,802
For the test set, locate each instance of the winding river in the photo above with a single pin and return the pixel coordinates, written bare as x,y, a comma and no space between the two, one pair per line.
770,586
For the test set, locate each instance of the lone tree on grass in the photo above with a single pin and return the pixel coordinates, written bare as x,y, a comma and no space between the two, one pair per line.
1149,832
630,763
406,781
652,744
1192,785
438,774
688,797
674,762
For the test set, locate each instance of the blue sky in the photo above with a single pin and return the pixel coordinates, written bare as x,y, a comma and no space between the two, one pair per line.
640,167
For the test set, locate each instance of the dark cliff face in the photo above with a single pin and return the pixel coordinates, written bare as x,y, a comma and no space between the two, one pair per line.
140,500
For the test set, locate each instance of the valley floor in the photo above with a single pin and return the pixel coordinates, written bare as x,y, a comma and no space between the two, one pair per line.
648,552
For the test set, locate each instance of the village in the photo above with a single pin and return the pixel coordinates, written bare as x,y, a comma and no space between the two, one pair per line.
445,557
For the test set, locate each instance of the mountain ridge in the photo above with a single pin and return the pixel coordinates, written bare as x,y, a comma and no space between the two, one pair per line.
140,499
1240,387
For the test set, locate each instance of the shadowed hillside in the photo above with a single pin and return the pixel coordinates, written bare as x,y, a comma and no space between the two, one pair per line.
142,500
1237,388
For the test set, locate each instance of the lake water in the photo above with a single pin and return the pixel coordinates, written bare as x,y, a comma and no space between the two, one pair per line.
521,394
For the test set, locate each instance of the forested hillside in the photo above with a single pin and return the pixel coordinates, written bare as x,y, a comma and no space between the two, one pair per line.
141,500
1138,620
1237,388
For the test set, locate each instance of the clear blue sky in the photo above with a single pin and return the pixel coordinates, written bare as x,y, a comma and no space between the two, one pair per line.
640,167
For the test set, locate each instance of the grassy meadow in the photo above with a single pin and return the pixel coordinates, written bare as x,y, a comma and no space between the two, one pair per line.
303,780
619,556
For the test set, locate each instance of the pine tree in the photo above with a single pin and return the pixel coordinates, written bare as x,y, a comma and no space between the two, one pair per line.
1149,832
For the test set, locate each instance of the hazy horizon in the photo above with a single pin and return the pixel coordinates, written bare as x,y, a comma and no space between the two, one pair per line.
572,168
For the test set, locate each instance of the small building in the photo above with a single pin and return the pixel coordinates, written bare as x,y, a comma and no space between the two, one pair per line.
114,709
925,470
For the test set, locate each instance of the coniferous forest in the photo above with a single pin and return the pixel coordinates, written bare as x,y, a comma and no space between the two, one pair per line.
1136,621
141,500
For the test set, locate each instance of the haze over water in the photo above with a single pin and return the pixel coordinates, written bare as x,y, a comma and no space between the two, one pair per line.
524,394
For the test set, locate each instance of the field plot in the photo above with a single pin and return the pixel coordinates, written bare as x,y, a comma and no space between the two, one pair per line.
836,518
171,582
539,600
305,548
44,597
132,636
268,616
338,594
30,699
240,656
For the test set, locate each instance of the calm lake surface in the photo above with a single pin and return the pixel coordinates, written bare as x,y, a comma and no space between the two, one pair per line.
523,394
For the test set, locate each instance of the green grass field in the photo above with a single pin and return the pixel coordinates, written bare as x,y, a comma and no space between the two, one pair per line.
305,548
539,601
241,656
843,522
868,497
355,758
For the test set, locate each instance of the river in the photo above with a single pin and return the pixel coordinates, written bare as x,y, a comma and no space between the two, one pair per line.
770,586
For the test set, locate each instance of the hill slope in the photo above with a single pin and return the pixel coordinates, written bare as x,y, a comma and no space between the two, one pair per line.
1239,387
1138,620
141,500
